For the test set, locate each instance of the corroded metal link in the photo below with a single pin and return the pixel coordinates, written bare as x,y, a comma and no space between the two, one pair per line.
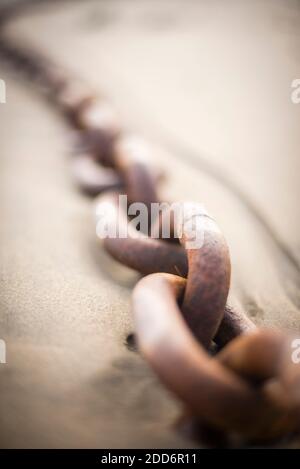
72,98
251,387
264,358
212,392
137,250
208,274
92,178
256,356
49,78
132,158
234,324
147,255
100,125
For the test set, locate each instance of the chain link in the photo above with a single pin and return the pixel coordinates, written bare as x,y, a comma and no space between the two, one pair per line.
250,387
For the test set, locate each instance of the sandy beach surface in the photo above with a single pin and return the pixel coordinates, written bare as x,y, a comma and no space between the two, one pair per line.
209,83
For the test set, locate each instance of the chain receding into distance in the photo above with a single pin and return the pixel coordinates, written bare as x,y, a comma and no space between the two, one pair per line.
249,386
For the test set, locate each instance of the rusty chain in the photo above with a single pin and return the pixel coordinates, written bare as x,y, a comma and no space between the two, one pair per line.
250,387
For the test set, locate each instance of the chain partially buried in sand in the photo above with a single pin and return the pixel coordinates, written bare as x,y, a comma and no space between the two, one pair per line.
250,387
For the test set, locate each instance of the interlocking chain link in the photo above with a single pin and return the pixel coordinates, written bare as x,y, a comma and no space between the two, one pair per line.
251,386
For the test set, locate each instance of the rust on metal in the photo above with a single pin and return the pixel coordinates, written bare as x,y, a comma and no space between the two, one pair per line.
208,275
211,391
250,387
92,178
137,250
132,157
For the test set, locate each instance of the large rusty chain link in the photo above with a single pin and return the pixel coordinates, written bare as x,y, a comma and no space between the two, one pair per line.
250,387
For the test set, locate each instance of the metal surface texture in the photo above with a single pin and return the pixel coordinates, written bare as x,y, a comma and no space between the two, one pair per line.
248,387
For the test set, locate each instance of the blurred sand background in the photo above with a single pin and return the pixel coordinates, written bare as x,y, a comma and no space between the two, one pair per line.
211,83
